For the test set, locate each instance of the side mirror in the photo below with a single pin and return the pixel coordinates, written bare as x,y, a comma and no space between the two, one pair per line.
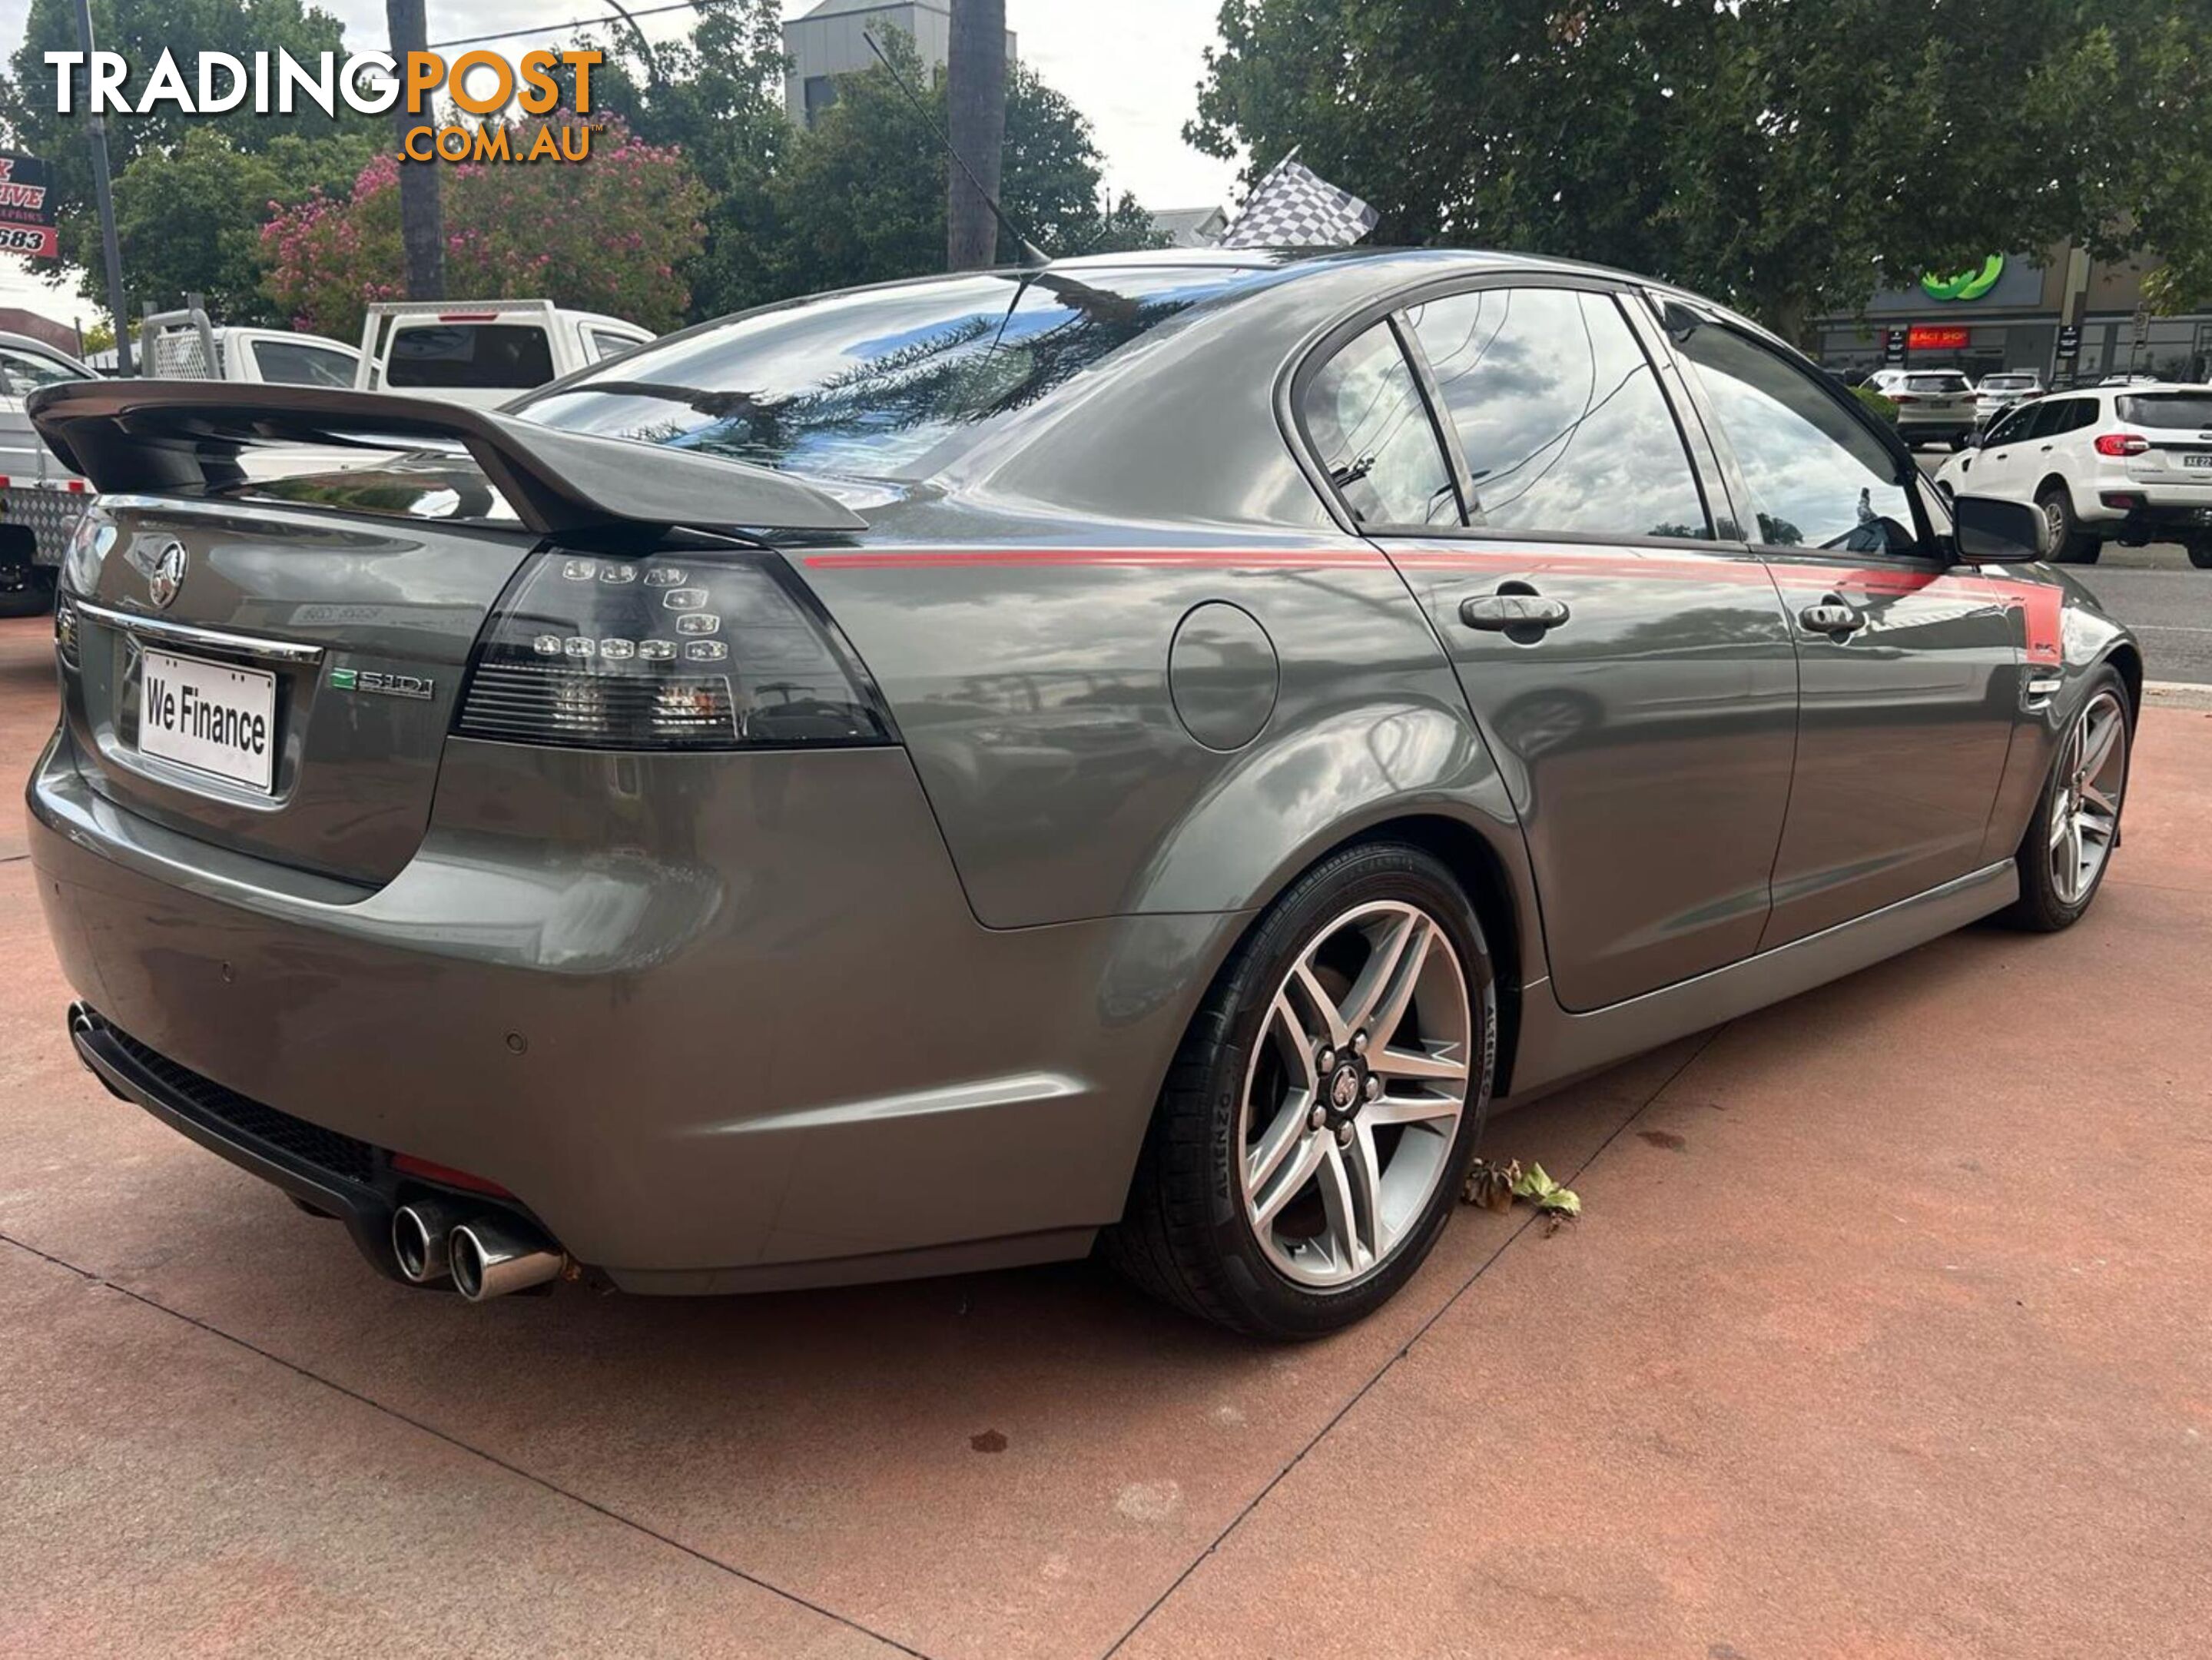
1989,532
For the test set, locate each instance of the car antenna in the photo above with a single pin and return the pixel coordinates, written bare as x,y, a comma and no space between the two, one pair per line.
1031,254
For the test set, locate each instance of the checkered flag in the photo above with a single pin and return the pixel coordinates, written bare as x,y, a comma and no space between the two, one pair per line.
1294,207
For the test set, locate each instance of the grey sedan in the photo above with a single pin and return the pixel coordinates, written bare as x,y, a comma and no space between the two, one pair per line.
1137,754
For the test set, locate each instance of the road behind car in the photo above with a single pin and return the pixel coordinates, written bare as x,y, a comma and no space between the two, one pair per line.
1881,1332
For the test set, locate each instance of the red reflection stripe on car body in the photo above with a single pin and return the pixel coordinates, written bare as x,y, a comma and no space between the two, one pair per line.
1196,558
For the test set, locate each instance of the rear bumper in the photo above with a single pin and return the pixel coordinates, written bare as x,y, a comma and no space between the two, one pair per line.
777,1049
2150,508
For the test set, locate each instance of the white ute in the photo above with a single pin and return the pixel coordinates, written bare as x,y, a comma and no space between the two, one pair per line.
483,352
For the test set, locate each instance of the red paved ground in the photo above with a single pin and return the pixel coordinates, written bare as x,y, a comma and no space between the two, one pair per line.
1885,1333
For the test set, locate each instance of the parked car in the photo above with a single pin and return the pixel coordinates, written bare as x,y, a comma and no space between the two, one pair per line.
1996,394
40,500
1934,406
930,776
483,352
2130,464
186,345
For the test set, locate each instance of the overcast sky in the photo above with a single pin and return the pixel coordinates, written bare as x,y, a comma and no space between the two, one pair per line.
1131,65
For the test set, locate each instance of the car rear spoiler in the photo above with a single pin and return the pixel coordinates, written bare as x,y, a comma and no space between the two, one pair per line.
152,436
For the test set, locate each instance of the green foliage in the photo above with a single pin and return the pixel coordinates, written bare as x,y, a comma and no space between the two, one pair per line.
140,29
191,223
860,197
605,234
1884,407
1790,158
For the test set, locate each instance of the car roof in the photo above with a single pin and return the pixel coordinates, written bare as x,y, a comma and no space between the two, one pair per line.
32,342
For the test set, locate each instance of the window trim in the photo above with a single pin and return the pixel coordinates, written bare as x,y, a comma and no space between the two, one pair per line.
1929,549
1297,375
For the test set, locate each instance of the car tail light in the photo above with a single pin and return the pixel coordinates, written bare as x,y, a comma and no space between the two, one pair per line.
1903,398
684,651
2122,443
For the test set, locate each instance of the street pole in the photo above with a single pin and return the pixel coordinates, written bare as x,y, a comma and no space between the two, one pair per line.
110,250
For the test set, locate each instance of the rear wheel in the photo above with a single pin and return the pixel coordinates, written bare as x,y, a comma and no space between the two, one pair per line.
2069,545
2069,842
1318,1121
2200,552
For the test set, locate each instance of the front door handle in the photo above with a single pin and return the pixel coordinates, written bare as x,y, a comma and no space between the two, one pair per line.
1831,617
1510,613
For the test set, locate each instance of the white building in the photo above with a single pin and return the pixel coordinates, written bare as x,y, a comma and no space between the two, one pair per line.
828,41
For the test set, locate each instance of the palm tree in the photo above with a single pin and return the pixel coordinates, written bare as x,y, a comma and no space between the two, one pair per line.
422,220
976,116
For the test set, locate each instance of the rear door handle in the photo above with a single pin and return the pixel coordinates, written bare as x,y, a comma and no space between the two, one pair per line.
1831,617
1509,613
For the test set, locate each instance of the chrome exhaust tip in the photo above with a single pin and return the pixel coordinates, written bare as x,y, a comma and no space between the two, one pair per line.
421,1235
492,1256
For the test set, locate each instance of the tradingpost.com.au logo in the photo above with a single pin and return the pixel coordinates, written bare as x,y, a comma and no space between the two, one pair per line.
479,84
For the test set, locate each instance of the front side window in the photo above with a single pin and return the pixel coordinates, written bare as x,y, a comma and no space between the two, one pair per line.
1816,477
2010,427
26,371
1559,414
1364,414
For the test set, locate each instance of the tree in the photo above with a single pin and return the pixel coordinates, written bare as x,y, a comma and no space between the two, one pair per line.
717,96
421,221
140,29
975,123
861,196
1789,158
606,235
191,223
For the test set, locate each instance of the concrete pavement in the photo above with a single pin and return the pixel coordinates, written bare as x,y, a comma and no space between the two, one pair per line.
1883,1333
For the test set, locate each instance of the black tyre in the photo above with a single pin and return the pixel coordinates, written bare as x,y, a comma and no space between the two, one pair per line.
2199,552
2068,845
2068,546
34,598
1318,1121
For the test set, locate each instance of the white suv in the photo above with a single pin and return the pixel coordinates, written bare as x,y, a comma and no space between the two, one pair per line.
2106,464
1934,406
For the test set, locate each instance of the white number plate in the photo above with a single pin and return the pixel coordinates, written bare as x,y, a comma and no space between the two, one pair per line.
209,716
2197,460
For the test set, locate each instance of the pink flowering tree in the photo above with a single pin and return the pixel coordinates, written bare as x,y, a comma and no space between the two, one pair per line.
605,234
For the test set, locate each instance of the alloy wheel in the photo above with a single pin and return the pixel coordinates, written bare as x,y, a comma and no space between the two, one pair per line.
2054,517
2091,776
1354,1092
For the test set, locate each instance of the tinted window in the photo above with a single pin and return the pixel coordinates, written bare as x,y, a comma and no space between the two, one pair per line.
873,383
2167,409
515,354
1364,414
2056,415
290,363
1559,414
2007,382
1817,478
1944,382
28,371
2011,427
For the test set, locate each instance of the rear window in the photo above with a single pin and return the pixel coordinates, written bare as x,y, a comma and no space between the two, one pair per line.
504,354
878,383
2167,409
2007,382
1936,383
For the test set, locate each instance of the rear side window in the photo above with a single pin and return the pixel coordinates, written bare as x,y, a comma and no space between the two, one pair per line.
290,363
502,355
2167,409
1559,414
1817,478
1364,414
604,344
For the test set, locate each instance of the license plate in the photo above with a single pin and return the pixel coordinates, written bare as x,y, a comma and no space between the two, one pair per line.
2197,461
208,716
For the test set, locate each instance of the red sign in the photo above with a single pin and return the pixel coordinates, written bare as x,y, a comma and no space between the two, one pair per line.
26,212
1926,336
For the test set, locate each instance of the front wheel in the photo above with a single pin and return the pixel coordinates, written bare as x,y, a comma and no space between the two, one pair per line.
2068,546
1318,1119
2069,842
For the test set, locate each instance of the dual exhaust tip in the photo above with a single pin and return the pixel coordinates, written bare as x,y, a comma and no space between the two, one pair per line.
488,1255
